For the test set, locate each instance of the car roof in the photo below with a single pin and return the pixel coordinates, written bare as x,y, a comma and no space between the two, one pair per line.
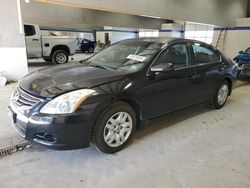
164,40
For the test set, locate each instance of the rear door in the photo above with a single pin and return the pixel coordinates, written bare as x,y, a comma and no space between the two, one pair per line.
209,69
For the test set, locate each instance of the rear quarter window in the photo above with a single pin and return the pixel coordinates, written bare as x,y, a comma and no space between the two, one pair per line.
205,54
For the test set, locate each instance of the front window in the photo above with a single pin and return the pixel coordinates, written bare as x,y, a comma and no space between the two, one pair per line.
176,54
29,30
128,56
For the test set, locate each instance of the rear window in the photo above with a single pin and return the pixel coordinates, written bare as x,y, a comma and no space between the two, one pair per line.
205,54
29,30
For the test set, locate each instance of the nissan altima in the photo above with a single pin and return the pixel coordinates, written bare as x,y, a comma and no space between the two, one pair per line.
105,98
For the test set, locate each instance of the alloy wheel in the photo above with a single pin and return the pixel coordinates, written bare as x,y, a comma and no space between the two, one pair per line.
222,94
118,129
61,58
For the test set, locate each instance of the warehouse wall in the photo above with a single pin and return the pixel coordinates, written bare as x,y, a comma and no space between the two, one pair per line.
236,38
216,12
175,30
73,17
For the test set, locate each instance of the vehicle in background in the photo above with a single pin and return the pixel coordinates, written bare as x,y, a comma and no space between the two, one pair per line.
51,48
243,60
106,97
87,46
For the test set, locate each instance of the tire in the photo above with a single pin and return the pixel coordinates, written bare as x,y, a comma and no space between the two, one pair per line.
60,57
221,95
47,59
109,128
91,50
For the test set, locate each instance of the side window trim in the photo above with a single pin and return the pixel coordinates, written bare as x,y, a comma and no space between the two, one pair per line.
165,48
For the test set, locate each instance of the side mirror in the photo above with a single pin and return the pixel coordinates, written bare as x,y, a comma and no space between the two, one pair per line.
164,67
241,52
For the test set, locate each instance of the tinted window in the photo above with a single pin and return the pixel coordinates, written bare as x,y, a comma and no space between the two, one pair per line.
176,54
205,54
29,30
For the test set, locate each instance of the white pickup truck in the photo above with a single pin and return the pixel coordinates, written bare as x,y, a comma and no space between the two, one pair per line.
51,48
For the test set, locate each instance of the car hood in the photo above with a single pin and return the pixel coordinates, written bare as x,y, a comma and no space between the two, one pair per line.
60,79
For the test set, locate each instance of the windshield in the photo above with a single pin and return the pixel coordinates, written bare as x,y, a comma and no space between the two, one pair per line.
247,51
126,56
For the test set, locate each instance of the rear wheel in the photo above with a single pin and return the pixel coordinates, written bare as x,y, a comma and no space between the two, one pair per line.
221,95
60,57
114,127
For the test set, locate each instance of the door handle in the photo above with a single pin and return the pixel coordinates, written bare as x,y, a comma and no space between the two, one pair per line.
35,39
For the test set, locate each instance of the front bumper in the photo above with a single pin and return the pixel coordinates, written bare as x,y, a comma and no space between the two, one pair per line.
60,132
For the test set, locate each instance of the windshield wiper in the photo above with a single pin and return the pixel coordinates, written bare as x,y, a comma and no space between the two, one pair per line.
99,66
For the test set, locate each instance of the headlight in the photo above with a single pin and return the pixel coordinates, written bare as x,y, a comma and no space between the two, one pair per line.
67,103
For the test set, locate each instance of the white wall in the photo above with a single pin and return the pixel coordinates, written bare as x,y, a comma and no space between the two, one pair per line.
198,31
13,60
236,38
100,36
116,34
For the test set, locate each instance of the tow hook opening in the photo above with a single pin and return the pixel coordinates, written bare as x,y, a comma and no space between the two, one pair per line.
46,137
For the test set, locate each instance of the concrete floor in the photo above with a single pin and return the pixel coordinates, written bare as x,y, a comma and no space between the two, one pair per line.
196,148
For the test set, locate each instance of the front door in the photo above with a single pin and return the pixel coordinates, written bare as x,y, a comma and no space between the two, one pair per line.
167,92
33,42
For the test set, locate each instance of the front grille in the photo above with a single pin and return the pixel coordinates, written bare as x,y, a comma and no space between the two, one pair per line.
22,98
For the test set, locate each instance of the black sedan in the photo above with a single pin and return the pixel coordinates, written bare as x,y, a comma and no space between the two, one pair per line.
106,97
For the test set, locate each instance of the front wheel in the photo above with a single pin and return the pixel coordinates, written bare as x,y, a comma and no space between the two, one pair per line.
91,50
60,57
114,127
221,95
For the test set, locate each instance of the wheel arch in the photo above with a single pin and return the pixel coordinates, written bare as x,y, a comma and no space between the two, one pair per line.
131,102
230,82
60,47
99,110
136,107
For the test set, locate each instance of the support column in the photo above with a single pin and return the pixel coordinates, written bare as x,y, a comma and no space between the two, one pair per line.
13,59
